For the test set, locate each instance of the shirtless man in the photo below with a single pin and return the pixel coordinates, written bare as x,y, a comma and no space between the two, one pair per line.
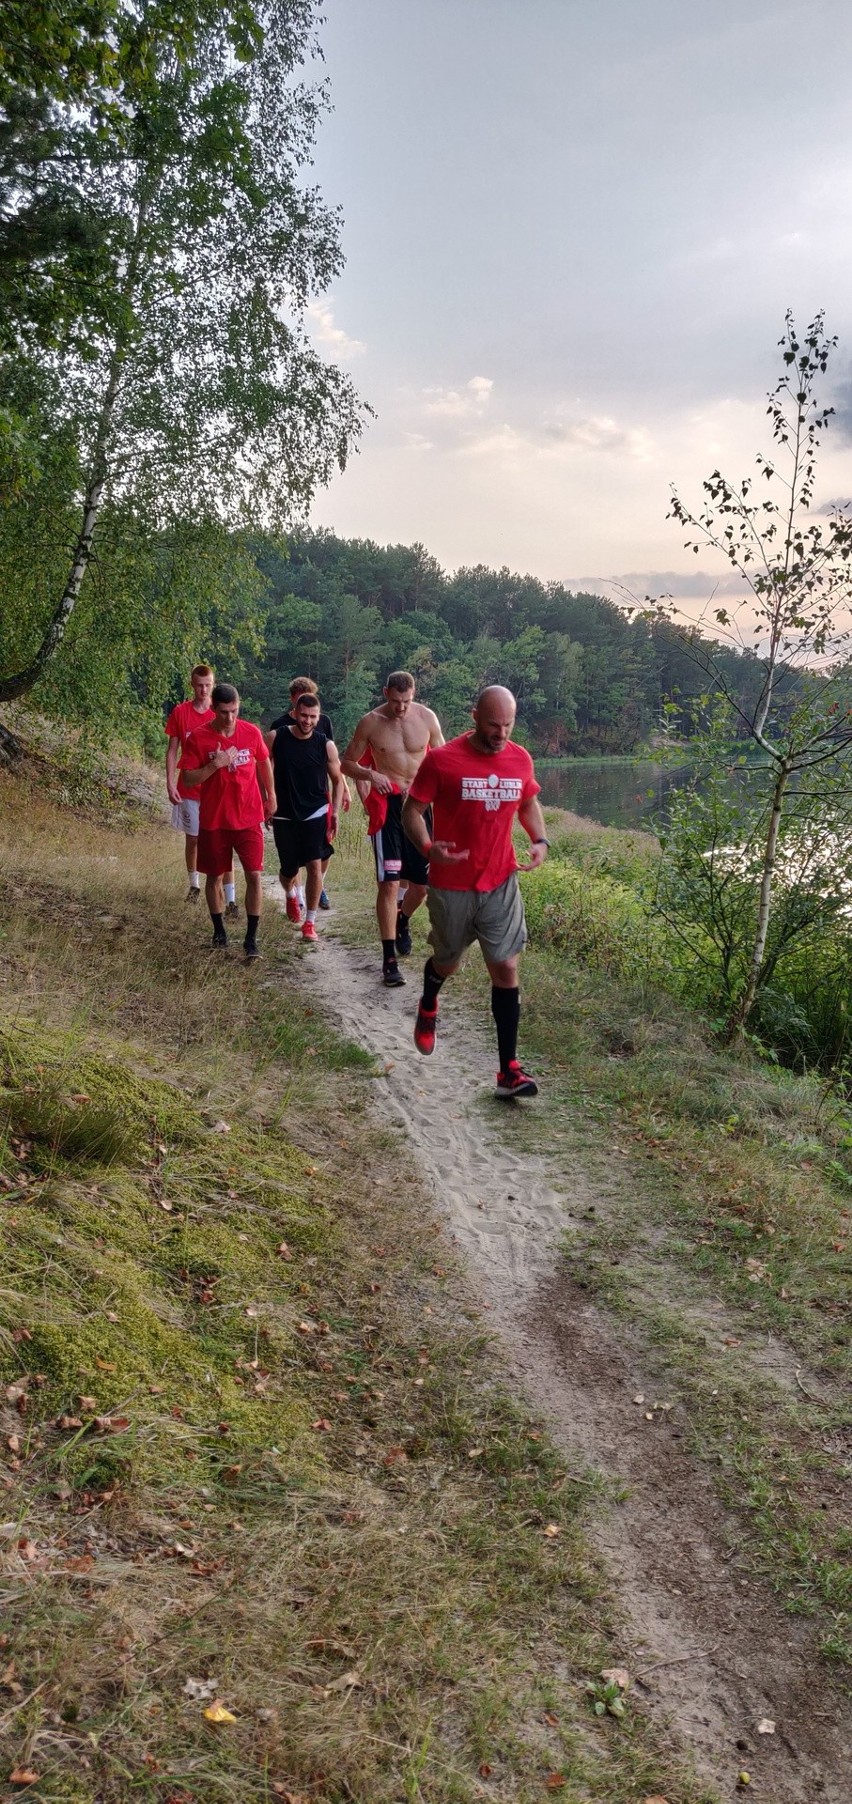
396,737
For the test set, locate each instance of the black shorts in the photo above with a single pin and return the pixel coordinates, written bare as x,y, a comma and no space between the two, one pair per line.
395,855
300,842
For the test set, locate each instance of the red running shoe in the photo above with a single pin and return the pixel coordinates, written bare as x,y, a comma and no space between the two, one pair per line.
294,909
310,934
515,1082
424,1029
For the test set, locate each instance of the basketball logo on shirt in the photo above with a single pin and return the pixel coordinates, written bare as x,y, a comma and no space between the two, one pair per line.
492,790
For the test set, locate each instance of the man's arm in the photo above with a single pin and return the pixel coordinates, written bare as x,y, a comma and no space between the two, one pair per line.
436,736
363,773
221,760
267,787
172,756
415,829
532,820
337,781
269,738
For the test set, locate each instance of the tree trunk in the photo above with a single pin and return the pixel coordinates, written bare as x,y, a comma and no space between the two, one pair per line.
11,749
739,1015
24,680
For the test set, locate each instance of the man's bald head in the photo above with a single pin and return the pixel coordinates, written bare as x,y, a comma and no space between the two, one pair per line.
494,717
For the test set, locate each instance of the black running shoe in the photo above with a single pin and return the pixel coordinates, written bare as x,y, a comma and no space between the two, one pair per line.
515,1082
251,951
392,975
220,940
324,901
403,935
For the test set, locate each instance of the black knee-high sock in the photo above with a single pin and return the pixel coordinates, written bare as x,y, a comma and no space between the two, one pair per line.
431,986
389,952
252,924
506,1009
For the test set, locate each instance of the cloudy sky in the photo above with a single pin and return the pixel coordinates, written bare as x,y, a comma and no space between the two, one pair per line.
572,233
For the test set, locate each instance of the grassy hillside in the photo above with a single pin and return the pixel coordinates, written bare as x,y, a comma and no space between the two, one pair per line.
257,1458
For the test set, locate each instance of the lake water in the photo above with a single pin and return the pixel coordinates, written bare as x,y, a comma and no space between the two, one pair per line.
617,793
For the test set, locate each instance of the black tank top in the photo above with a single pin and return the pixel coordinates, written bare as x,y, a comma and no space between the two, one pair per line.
301,774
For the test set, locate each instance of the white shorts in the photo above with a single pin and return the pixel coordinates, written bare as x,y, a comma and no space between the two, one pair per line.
185,816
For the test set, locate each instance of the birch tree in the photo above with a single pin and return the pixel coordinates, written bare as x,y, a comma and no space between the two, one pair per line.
176,350
792,560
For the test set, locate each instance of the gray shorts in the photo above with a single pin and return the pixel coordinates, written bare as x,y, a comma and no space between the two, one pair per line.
494,917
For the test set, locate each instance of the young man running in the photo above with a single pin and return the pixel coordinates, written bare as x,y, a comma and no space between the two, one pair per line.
229,765
306,765
476,786
306,686
185,719
395,737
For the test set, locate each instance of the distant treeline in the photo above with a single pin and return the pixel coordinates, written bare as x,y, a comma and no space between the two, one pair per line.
590,677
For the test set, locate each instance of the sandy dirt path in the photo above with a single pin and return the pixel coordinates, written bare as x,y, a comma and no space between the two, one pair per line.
713,1651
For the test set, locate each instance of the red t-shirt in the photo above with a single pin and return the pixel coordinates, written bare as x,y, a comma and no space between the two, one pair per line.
230,798
475,797
183,720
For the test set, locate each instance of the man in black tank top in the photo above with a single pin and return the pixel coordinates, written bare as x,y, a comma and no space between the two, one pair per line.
302,685
307,768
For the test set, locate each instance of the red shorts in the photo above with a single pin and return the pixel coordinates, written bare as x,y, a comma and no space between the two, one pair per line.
217,845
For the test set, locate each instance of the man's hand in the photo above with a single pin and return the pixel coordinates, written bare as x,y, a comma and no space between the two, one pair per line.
538,854
173,795
333,823
444,851
270,807
223,758
347,797
381,784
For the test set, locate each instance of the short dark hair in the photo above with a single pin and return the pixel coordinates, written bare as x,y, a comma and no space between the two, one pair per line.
401,680
224,692
202,670
305,700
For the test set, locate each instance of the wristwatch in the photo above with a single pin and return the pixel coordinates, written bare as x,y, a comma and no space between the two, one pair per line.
542,842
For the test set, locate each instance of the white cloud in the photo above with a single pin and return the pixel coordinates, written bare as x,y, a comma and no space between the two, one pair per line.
320,315
459,404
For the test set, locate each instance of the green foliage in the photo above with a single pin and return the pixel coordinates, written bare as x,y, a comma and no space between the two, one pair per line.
587,676
159,252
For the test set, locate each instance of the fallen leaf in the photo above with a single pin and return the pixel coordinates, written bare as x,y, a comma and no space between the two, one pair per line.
220,1127
552,1530
199,1688
13,1443
104,1365
27,1548
90,1404
551,1719
475,1452
69,1422
322,1425
284,1251
484,1770
655,1800
165,1204
616,1675
555,1781
396,1456
349,1681
766,1726
80,1563
216,1712
23,1775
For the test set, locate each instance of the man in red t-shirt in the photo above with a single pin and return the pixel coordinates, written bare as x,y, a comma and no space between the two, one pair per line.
228,763
185,719
476,786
